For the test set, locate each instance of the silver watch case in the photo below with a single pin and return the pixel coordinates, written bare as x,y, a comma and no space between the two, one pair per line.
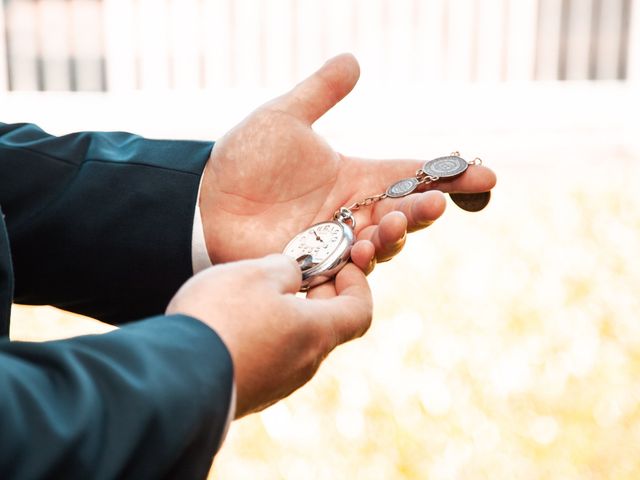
327,269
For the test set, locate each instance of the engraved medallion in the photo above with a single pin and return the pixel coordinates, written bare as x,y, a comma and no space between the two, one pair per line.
471,202
445,167
402,188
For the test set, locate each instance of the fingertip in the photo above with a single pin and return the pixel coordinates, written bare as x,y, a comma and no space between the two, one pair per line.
352,281
393,228
340,74
318,93
492,178
439,201
285,271
363,255
349,63
430,207
396,216
479,179
280,258
366,246
436,196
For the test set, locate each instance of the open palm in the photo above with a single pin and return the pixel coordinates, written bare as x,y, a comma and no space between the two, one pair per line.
272,176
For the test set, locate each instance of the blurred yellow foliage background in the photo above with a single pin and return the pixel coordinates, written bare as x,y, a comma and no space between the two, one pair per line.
505,344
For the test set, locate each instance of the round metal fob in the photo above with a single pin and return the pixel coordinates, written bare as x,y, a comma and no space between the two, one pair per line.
445,167
471,202
402,188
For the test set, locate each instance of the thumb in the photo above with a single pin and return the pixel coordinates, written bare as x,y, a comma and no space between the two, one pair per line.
283,272
348,313
315,95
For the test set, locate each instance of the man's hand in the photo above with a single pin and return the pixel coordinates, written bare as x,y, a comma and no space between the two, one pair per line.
276,340
272,176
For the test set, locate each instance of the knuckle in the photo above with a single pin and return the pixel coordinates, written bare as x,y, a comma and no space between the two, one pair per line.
311,362
260,270
365,318
318,340
366,321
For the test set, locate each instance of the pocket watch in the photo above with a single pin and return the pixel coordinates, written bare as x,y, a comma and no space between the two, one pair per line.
323,249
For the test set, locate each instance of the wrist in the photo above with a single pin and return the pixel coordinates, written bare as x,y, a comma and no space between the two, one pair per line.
211,209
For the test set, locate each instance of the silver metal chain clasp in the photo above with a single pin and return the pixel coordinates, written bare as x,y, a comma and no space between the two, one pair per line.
344,215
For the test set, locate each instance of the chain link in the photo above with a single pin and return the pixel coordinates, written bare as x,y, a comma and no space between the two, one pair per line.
365,202
422,178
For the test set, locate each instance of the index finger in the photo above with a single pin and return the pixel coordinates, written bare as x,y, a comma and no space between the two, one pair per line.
383,173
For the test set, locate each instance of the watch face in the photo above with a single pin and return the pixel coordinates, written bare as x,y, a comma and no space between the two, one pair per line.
319,242
321,251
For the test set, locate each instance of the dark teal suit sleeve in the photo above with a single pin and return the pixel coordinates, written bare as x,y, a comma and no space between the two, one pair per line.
99,223
146,401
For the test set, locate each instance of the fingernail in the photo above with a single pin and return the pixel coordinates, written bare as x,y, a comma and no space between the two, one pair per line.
401,241
424,224
371,266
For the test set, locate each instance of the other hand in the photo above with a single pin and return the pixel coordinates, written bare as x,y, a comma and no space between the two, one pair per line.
276,339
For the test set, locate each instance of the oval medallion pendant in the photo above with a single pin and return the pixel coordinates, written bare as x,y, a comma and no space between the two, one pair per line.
402,188
445,167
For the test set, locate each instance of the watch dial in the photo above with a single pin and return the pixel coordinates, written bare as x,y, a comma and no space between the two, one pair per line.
319,241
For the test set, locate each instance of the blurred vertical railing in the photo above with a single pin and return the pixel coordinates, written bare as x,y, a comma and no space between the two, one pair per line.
4,73
633,54
122,45
53,45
